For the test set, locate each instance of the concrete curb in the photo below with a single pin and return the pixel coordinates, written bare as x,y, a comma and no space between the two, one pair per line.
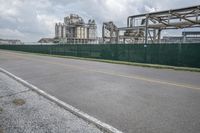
101,125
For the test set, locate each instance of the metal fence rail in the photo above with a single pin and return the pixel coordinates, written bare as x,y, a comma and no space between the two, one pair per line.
185,55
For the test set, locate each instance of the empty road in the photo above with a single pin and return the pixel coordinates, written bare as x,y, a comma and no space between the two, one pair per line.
132,99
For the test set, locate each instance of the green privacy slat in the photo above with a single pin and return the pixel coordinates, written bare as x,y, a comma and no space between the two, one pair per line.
187,55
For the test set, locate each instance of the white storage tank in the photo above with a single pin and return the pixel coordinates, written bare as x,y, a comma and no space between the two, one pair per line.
78,32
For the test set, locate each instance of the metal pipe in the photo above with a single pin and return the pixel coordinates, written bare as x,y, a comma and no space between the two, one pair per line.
174,24
146,29
159,35
128,21
167,11
103,33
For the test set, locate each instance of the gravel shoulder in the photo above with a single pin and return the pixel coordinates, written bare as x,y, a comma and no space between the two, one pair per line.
23,110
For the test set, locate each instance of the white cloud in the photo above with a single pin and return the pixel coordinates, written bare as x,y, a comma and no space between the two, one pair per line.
8,33
47,22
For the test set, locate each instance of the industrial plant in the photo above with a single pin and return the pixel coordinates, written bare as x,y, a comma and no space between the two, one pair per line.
147,28
75,30
141,29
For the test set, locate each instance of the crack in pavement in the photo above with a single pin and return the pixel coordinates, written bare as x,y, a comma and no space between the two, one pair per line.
15,93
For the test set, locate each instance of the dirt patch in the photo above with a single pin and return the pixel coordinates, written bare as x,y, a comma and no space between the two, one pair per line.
1,110
19,102
1,130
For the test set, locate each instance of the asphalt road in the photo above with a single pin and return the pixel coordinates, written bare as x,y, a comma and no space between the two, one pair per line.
132,99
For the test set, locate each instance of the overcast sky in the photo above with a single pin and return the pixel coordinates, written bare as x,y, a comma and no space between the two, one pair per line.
29,20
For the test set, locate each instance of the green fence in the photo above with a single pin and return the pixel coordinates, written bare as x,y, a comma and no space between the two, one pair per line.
185,55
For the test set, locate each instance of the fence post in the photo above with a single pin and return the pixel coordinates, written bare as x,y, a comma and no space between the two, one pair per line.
128,52
179,55
90,50
145,53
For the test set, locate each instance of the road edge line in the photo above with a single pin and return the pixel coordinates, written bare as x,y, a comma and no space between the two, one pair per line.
101,125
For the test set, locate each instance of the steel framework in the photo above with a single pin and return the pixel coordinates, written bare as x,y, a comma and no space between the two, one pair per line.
109,32
147,28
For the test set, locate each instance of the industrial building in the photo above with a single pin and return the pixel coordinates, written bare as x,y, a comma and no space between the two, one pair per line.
9,42
75,30
187,37
46,40
147,28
